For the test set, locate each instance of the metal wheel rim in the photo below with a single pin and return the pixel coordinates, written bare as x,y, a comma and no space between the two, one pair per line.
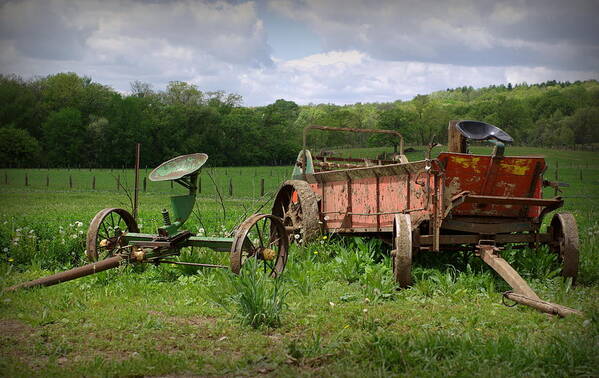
271,234
565,242
402,246
303,216
101,227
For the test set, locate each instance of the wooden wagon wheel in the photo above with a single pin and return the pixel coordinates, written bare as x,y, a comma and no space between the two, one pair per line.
297,205
565,242
261,237
104,236
402,250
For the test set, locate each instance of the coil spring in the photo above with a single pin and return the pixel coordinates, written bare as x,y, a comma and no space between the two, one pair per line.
166,217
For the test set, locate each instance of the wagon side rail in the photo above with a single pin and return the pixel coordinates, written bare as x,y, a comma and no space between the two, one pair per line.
354,130
548,204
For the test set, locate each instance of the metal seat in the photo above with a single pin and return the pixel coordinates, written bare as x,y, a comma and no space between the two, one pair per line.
178,167
477,130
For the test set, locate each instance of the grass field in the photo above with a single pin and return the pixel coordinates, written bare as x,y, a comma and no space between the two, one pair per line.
334,312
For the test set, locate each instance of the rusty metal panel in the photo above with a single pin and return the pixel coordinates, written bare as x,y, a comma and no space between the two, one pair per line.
377,193
364,202
485,175
334,207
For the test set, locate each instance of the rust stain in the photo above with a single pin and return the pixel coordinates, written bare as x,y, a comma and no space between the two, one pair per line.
467,162
518,167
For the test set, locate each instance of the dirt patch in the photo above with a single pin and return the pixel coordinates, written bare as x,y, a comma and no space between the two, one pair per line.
196,321
17,340
15,330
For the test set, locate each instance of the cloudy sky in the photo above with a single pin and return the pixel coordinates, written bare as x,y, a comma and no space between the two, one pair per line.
338,51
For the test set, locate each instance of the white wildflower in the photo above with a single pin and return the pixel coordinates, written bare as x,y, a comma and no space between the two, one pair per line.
31,231
5,249
78,224
74,236
296,236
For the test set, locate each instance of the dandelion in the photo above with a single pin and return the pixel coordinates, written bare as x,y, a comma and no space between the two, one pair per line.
316,252
80,232
78,224
324,237
201,231
5,249
74,236
365,310
296,236
10,259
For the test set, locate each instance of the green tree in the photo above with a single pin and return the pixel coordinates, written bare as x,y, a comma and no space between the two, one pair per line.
64,138
18,148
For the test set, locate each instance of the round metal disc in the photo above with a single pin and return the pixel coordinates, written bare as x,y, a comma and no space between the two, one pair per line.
178,167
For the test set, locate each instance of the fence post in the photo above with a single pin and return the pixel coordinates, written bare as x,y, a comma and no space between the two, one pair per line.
261,187
94,183
231,187
70,182
145,179
26,179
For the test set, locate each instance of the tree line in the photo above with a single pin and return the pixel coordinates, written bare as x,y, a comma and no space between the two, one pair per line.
67,120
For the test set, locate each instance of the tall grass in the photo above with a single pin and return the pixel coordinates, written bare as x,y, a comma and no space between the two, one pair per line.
252,297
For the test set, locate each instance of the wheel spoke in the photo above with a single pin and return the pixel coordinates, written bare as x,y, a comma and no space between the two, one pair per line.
259,235
274,241
105,229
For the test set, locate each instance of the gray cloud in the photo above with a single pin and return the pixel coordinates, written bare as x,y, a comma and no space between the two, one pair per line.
373,51
552,33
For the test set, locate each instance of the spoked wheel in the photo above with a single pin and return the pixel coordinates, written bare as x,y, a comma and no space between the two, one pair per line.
105,233
261,237
402,250
565,242
297,205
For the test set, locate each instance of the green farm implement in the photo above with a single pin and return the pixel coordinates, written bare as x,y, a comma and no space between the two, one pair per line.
113,236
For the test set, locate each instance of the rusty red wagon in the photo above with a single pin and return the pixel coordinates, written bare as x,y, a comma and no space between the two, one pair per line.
456,201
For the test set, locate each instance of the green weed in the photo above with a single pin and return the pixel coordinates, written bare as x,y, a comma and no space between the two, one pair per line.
252,297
